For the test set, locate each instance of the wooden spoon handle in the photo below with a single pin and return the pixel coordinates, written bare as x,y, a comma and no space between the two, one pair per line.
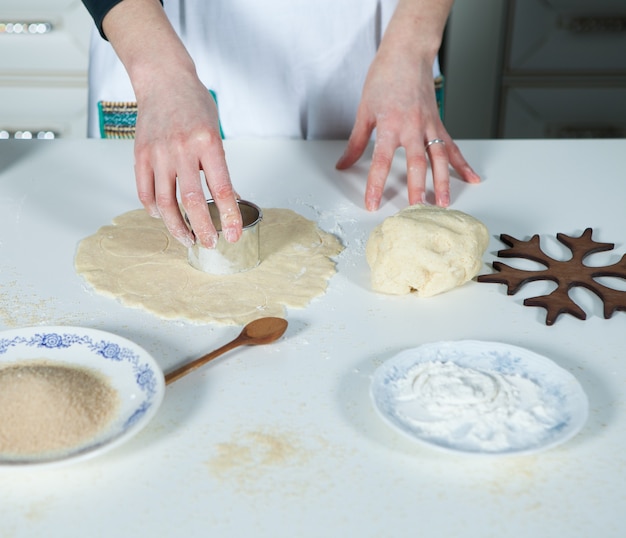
196,363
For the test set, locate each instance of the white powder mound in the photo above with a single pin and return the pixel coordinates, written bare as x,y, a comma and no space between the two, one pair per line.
425,250
474,410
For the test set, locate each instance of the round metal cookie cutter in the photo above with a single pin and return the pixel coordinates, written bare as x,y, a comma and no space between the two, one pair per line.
229,258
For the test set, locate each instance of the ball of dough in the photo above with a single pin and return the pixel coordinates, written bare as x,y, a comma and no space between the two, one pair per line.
426,250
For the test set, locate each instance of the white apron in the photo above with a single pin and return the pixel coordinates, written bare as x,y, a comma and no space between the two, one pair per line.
278,68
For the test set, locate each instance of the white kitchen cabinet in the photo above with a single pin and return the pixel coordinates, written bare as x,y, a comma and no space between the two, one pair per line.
44,55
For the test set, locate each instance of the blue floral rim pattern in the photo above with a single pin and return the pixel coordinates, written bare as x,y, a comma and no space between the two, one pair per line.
144,374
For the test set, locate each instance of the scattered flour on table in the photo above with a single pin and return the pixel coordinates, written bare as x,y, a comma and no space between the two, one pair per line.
472,410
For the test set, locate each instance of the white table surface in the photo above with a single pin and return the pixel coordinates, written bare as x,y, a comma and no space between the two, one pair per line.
282,440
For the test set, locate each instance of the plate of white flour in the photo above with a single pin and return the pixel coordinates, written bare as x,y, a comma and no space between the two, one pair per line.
478,397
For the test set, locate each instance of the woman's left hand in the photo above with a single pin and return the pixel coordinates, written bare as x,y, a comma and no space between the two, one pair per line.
399,102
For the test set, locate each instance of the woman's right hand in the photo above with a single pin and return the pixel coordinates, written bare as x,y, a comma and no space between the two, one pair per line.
177,135
177,138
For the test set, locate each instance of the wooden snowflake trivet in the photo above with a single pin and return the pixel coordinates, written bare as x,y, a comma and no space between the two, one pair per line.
566,274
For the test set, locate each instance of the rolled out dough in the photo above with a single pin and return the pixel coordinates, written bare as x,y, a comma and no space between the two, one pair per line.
425,250
136,261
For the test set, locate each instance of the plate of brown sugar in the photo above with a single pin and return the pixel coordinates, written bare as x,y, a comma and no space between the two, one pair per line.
71,393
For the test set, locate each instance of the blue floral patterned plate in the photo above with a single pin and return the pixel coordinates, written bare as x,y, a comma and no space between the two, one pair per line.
516,402
129,369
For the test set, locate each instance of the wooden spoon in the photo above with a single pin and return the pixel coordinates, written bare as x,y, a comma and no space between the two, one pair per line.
259,331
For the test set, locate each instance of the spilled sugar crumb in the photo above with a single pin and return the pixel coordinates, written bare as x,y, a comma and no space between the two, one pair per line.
273,461
251,451
265,461
21,306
